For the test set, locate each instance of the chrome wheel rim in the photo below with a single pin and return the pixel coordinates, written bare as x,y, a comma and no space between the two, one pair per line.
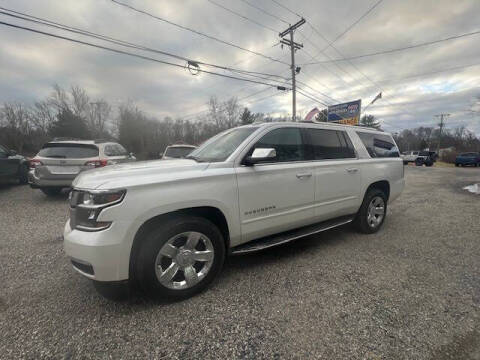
184,260
376,212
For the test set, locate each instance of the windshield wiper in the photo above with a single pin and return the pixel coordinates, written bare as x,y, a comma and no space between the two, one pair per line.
57,156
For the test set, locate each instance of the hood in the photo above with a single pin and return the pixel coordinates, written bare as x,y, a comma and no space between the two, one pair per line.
138,173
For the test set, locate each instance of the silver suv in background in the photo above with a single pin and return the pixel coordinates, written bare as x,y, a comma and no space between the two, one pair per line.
60,161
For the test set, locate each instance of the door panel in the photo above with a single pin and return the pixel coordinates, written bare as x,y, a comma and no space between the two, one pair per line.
337,188
274,198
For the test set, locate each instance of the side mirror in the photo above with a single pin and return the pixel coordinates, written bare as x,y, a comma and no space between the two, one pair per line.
13,152
260,155
131,155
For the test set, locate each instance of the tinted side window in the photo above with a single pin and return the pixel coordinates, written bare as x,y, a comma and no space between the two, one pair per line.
379,145
3,153
287,142
109,150
114,150
119,150
329,144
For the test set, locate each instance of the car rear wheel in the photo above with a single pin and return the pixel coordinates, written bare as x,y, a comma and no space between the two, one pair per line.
51,191
372,213
179,258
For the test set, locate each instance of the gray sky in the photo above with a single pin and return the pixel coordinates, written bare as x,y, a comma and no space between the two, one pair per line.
31,63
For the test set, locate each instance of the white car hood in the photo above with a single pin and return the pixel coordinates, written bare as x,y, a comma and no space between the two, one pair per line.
138,173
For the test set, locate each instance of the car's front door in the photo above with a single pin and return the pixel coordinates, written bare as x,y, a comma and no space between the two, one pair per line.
278,195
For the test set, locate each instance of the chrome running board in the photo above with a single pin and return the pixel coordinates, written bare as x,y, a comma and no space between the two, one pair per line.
282,238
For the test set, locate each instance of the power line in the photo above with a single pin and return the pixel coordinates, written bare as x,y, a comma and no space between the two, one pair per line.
196,31
132,54
242,16
28,17
265,12
357,21
396,50
240,99
286,8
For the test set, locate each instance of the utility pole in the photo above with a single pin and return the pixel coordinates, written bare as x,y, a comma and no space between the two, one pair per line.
293,47
441,124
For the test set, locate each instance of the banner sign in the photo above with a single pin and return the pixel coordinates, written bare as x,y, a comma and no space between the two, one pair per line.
346,113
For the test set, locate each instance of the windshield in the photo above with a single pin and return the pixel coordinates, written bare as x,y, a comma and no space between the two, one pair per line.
178,152
468,154
222,146
68,151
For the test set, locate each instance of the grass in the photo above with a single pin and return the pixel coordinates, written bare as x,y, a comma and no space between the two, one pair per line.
443,164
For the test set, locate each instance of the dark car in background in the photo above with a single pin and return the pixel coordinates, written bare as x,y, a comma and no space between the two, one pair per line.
468,159
13,167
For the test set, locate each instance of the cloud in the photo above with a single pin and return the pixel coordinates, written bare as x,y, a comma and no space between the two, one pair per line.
31,63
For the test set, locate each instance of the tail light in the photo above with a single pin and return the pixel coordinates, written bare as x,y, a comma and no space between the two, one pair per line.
96,163
35,163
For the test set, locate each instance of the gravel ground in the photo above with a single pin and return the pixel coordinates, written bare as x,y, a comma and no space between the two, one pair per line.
411,291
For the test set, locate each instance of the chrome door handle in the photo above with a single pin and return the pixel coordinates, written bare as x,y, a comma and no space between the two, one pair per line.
352,170
304,175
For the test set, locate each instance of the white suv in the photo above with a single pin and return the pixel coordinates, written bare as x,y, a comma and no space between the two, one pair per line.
167,225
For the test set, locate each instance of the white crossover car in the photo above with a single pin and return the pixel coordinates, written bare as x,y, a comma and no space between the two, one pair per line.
166,226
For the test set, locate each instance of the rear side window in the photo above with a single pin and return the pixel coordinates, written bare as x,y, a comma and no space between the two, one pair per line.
379,145
68,151
328,144
287,143
114,150
178,151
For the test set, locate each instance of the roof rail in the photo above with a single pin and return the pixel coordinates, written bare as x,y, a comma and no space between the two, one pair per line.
65,138
100,141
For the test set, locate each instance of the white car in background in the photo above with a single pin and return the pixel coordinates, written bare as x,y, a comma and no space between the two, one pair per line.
177,151
410,156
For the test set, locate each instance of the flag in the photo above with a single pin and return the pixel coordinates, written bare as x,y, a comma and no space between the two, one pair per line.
311,114
379,96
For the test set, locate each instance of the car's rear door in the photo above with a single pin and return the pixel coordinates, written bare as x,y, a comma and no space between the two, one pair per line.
336,171
278,195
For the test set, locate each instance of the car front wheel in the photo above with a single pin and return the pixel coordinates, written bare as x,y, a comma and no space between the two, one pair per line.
179,258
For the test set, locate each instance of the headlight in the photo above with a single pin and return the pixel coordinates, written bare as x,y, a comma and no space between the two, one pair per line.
85,207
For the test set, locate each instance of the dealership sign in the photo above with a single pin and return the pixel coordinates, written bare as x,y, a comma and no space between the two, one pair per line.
346,113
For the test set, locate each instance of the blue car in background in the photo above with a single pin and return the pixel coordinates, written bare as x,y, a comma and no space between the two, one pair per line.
470,158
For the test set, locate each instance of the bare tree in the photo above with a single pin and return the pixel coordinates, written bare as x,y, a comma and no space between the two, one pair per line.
16,120
98,113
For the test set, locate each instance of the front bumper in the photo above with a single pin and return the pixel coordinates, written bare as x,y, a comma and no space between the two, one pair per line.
102,255
36,181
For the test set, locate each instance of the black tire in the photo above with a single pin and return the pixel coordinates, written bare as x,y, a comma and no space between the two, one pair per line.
23,175
361,219
145,262
456,164
405,163
51,191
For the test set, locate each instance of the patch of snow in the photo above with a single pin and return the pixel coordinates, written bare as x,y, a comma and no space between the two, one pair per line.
475,188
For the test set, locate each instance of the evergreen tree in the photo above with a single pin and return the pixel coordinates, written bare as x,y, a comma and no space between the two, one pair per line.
69,125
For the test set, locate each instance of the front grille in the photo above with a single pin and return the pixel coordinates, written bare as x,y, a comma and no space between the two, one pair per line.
86,268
